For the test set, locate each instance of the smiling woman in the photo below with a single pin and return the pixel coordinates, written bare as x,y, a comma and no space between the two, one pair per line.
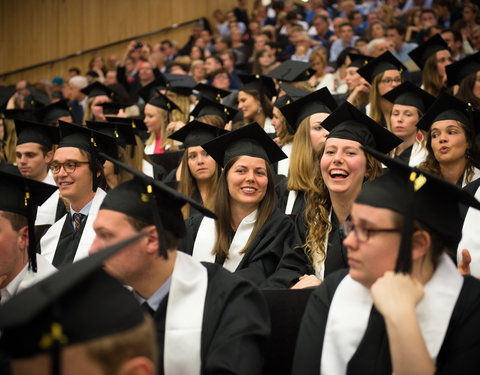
250,234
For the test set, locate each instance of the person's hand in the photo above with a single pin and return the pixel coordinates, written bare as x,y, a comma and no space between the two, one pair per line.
395,293
131,46
228,126
307,281
174,126
464,264
277,140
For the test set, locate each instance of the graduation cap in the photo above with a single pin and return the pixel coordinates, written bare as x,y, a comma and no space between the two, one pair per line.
262,84
111,108
97,89
22,196
347,122
12,114
29,131
161,101
210,92
409,94
459,70
249,140
6,93
150,90
386,61
291,94
421,54
210,107
52,112
77,304
180,83
151,201
135,122
447,107
123,133
358,60
36,100
196,133
320,101
292,71
168,160
416,194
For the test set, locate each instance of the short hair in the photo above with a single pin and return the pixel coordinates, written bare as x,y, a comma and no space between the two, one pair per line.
372,45
346,24
79,81
321,17
220,71
74,70
170,240
230,54
216,58
401,29
352,14
457,36
167,41
17,221
427,10
224,39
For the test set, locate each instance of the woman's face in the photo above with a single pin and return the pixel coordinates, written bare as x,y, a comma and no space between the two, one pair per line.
154,120
318,66
97,110
390,80
278,121
378,31
476,86
198,71
444,58
247,181
266,59
202,166
195,53
449,141
248,105
343,165
403,121
353,79
318,134
369,260
468,14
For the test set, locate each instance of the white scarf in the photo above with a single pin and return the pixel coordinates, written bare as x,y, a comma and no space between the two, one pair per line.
350,310
292,197
284,164
183,324
207,236
470,238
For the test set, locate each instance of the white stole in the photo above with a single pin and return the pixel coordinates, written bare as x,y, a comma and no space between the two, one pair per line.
150,149
476,174
47,211
350,310
147,168
207,236
268,127
418,155
284,164
292,197
470,238
183,324
49,241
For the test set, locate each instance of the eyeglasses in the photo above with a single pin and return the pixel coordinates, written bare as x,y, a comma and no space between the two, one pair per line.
363,234
389,81
68,166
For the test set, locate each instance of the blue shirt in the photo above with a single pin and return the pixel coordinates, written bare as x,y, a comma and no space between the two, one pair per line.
402,55
156,298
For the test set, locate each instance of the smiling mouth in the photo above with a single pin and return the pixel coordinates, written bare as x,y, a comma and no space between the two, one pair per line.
338,174
63,184
248,190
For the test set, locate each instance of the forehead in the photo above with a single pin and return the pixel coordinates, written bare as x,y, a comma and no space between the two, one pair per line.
402,107
250,161
110,218
372,215
391,73
68,153
341,143
194,149
28,147
443,124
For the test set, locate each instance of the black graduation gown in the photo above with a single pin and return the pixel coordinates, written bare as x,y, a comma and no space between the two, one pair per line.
68,243
265,251
235,329
459,353
282,199
405,155
295,262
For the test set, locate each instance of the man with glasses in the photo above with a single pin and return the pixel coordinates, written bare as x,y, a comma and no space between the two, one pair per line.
78,173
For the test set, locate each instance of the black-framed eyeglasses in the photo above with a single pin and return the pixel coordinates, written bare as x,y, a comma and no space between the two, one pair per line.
363,234
68,166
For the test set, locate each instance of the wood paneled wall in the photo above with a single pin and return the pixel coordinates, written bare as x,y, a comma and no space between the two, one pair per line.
35,31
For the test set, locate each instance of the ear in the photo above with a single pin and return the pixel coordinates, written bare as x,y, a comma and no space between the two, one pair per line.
421,242
23,238
152,239
137,366
48,156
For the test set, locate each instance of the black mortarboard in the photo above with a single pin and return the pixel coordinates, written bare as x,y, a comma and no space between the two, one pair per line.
421,54
320,101
150,90
161,101
180,83
135,122
409,94
358,60
22,196
77,304
447,107
29,131
417,195
36,100
151,201
123,133
291,94
111,108
386,61
210,107
292,71
97,89
196,133
347,122
210,92
24,114
459,70
52,112
262,84
6,93
249,140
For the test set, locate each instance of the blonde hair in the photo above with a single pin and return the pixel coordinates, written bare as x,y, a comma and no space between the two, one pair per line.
8,144
183,102
164,116
375,100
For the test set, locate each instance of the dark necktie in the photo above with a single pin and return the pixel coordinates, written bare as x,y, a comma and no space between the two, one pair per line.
77,221
146,307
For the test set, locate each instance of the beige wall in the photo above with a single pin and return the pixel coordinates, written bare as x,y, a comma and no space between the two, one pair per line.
35,31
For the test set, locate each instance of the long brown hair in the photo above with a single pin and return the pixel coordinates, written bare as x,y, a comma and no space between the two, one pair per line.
465,91
432,82
265,103
188,185
317,211
223,224
375,100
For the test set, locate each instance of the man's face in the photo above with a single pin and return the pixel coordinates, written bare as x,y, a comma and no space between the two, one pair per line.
13,254
31,161
454,46
394,38
346,33
428,19
21,88
211,65
320,26
227,61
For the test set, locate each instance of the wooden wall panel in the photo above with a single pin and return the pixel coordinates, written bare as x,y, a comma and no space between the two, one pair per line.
35,31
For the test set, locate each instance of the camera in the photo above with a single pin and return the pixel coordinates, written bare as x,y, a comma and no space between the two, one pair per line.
139,45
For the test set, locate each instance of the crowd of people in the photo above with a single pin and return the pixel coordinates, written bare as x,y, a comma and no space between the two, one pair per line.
329,150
